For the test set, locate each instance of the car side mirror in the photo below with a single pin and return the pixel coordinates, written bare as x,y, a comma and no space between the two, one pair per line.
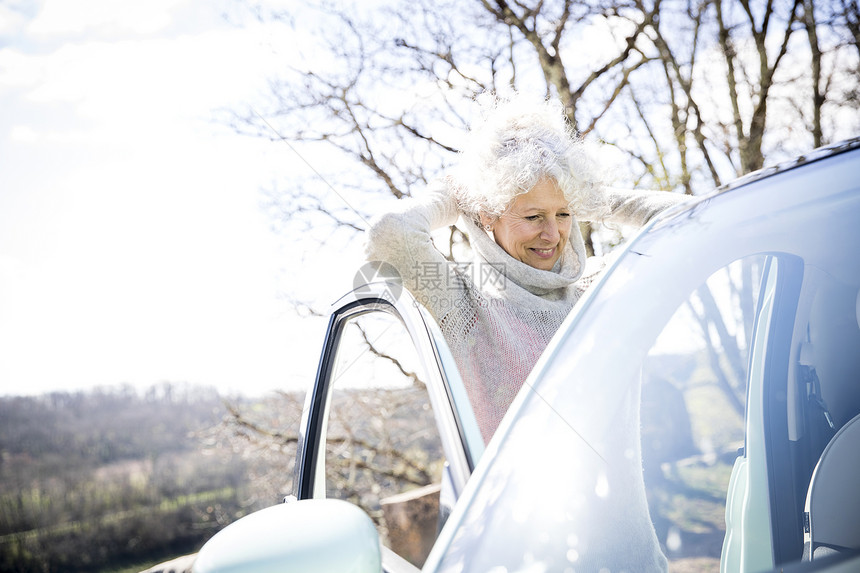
307,535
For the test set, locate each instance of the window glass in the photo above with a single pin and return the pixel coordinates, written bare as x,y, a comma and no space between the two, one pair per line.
808,404
383,451
693,400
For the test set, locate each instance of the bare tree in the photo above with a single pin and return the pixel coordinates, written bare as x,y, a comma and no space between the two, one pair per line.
692,93
846,17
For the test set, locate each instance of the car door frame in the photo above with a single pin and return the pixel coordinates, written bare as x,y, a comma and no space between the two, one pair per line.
455,420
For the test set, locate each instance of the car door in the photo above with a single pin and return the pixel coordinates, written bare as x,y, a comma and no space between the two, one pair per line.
387,424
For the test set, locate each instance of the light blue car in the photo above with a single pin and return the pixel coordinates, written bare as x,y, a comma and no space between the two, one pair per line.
755,288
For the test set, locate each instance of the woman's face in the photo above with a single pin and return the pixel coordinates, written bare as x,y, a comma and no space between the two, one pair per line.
536,226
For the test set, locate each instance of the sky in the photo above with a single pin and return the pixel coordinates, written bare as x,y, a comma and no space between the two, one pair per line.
134,245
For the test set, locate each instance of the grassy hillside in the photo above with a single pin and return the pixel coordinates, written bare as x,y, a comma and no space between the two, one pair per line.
94,481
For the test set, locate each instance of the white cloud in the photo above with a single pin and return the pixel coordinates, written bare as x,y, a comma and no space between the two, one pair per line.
12,19
132,245
18,70
144,86
102,17
23,134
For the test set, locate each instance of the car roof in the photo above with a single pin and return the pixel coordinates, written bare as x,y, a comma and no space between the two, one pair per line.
814,155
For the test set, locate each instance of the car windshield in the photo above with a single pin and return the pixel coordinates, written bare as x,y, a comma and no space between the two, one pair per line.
551,495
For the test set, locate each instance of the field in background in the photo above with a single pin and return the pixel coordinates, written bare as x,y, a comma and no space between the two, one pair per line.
112,479
115,481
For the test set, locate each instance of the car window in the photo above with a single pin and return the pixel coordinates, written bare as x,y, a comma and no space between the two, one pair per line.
383,451
810,390
694,388
785,327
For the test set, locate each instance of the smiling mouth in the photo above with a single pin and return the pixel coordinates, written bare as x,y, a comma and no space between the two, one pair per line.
544,253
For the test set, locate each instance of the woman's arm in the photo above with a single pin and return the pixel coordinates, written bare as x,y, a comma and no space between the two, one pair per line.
633,207
402,239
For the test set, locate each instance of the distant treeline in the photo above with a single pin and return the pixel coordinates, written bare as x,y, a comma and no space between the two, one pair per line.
106,424
92,481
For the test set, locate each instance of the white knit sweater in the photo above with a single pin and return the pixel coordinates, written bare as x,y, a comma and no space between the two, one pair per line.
497,314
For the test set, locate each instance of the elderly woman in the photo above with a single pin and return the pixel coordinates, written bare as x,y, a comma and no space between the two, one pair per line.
522,183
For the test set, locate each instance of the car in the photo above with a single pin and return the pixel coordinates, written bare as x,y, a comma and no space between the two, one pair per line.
736,315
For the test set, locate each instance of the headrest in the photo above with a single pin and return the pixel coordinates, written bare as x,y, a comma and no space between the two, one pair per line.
857,309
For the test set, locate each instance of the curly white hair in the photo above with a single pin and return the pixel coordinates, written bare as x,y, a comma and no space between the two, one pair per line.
517,142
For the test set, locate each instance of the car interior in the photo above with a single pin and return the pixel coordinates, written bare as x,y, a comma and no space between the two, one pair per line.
814,474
